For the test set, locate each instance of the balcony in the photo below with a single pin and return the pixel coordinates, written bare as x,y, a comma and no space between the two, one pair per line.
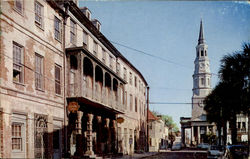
90,79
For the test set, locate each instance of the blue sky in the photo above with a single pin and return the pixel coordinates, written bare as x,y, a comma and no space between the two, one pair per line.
170,29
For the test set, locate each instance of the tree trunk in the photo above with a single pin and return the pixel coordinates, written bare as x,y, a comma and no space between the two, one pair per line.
219,133
248,134
224,132
233,129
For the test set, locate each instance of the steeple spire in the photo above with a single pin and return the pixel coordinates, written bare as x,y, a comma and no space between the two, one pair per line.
201,38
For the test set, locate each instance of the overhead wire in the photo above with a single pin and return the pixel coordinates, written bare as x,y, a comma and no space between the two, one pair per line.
131,48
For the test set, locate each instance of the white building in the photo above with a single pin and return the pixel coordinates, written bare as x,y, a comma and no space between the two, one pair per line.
201,88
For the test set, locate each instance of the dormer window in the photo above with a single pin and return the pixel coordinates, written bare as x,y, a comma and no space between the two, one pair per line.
88,15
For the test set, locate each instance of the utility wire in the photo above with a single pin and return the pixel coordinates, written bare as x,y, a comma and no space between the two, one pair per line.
128,47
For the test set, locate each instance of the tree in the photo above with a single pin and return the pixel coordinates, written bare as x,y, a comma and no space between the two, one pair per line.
231,95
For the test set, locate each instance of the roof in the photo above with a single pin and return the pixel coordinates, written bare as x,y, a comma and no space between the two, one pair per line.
151,116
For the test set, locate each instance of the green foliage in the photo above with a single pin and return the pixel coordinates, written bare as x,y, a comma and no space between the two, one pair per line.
168,120
231,95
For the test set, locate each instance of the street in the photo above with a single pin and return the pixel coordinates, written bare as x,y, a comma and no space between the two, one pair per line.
183,154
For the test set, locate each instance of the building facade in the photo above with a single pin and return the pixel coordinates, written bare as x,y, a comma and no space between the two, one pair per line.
201,88
158,133
63,81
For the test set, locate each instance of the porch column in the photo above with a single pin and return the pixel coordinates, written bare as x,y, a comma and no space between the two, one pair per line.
183,135
192,135
114,137
199,134
79,137
99,134
89,145
107,146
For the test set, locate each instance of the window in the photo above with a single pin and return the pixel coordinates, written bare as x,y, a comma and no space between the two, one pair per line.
135,104
130,78
57,79
131,102
238,123
88,15
202,81
205,52
208,81
103,55
72,32
243,125
58,30
16,130
118,68
197,53
18,4
95,48
135,81
125,99
38,14
39,79
202,54
110,61
17,63
85,39
125,73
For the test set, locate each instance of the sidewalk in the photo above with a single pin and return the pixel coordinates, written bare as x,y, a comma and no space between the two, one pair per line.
137,155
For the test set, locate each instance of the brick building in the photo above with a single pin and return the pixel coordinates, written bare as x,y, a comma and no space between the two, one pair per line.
54,58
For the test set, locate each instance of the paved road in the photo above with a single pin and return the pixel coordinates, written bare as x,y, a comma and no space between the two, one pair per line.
179,155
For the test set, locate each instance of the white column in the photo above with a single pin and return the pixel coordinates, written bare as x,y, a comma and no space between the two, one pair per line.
199,134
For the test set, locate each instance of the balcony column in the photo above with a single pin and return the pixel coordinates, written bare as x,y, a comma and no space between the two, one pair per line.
94,85
79,136
103,89
112,91
119,94
89,136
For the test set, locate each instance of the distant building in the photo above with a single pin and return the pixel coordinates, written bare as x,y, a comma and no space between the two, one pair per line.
157,133
242,129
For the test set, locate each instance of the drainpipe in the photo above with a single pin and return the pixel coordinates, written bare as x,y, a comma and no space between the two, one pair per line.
64,82
147,118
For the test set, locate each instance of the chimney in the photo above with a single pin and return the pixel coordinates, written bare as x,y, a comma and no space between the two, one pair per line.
86,12
97,24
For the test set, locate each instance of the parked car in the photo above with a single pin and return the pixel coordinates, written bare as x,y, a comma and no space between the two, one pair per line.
236,152
203,146
176,146
215,151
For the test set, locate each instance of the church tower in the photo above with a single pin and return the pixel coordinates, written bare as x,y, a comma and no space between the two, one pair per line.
201,78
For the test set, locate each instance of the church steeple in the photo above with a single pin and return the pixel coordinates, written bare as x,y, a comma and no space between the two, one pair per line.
201,77
201,39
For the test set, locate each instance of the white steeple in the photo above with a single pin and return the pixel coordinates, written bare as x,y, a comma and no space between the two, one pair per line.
201,77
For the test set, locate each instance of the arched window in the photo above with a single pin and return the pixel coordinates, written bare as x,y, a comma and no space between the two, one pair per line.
205,52
198,53
202,54
202,81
